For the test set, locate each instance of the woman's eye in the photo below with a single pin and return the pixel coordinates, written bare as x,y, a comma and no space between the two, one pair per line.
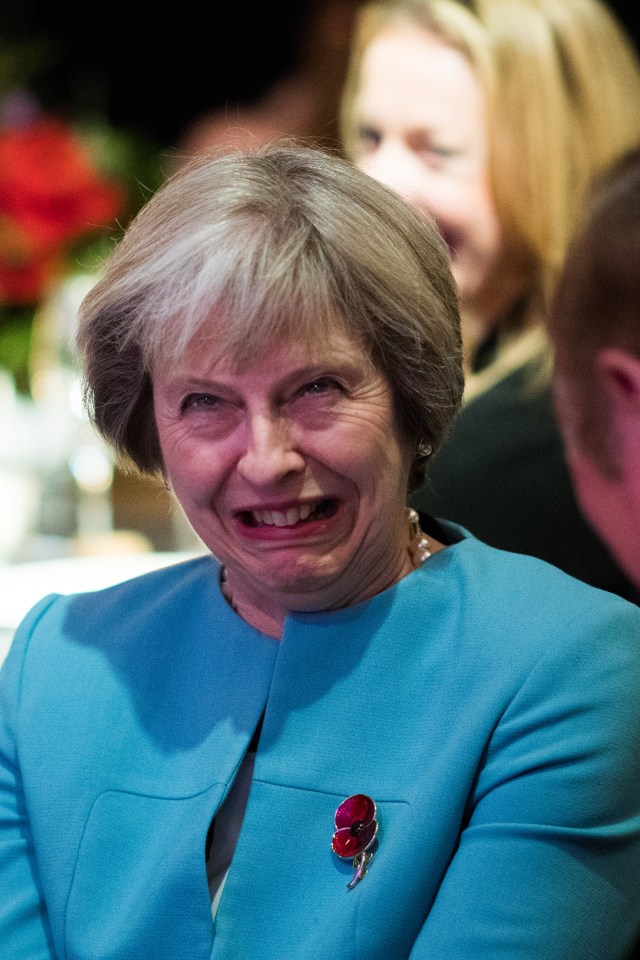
431,148
320,386
446,153
369,138
429,145
199,401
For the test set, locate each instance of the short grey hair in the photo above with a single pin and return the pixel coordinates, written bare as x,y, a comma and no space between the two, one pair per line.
281,240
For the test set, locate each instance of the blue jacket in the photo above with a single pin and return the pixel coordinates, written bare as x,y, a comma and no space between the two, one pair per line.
487,703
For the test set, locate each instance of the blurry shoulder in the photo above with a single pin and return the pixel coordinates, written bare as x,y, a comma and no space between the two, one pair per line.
155,602
531,593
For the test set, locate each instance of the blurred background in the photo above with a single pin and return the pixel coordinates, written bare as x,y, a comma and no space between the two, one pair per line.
98,104
155,73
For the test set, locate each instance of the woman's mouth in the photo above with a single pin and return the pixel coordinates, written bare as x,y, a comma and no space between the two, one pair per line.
301,513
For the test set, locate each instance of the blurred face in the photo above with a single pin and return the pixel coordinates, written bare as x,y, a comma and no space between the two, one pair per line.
293,471
611,504
420,115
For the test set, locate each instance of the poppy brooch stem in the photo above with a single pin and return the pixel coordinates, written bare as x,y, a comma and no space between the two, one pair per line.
355,835
360,863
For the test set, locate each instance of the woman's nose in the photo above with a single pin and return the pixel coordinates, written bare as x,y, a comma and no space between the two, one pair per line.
269,455
396,167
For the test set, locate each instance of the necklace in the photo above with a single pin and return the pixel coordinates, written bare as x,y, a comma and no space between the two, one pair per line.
419,550
226,590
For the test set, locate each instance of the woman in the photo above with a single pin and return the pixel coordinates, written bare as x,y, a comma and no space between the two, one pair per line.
491,117
365,740
595,330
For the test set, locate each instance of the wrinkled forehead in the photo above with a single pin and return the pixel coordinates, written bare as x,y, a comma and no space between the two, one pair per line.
236,342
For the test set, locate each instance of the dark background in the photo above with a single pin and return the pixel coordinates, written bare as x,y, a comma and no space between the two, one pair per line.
152,70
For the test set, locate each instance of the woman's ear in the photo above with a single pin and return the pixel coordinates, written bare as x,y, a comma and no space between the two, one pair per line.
619,376
612,504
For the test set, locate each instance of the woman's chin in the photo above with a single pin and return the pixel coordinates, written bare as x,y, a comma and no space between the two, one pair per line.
305,583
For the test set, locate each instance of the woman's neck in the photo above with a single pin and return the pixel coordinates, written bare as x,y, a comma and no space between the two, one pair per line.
500,304
263,612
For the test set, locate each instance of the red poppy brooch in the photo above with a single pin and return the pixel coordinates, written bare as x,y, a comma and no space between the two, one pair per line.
355,836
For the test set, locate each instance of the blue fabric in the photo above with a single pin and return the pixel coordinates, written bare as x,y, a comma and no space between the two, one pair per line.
487,703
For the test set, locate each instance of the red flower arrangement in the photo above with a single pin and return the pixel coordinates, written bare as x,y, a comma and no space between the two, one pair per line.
51,196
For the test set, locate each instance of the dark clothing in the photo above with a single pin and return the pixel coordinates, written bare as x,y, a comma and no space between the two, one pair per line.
502,474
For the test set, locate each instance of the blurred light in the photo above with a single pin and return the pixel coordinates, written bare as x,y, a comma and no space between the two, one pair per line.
92,469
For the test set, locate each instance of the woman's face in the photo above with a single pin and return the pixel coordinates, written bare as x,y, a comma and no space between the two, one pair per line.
293,471
421,129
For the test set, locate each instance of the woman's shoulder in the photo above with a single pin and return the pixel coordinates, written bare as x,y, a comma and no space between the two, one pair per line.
160,586
154,603
503,619
524,589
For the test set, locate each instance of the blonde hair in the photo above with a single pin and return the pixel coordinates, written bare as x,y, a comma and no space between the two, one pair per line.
562,86
281,241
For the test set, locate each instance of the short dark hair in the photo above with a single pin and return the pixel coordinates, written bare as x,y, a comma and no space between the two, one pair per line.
597,301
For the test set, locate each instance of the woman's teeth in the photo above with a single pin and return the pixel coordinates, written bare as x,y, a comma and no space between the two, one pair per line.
286,518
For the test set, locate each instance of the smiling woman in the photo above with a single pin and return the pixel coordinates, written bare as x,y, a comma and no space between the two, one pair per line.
422,128
240,748
294,466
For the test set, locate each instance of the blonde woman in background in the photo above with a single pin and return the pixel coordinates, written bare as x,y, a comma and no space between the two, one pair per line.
492,117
